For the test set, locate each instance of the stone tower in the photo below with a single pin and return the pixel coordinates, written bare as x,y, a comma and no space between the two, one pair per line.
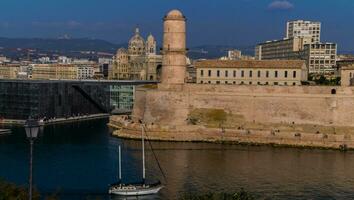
174,48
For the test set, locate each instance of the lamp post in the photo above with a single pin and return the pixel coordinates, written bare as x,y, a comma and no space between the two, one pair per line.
32,128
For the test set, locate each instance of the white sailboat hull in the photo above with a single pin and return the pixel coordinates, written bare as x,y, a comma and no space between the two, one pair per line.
135,191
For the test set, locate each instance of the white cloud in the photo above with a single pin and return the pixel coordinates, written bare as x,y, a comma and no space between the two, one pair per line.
280,5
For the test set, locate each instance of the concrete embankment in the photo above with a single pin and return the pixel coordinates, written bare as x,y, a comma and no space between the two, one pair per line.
236,136
57,120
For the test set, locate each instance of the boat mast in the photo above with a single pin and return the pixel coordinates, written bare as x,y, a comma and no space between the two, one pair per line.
120,165
143,147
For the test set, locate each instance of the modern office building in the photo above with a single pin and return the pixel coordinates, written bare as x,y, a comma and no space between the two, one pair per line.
301,28
287,49
248,72
302,42
20,99
320,57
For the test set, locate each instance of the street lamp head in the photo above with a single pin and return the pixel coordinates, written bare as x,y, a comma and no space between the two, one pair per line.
32,128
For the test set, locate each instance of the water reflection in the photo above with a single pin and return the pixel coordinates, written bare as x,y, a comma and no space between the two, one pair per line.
81,160
147,197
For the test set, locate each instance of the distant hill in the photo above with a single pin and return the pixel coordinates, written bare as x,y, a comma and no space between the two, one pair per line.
72,47
60,45
217,51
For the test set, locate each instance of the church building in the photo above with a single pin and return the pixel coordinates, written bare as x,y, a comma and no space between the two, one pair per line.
139,62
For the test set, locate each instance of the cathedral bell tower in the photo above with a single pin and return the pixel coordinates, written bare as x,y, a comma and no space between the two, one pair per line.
151,45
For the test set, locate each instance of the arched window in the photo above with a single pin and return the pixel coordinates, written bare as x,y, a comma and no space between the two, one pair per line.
333,91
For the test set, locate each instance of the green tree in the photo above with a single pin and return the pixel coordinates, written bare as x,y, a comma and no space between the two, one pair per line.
10,191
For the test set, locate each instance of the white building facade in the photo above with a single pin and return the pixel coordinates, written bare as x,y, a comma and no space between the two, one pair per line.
301,28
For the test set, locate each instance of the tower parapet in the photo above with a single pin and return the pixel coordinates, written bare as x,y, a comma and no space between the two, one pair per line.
174,48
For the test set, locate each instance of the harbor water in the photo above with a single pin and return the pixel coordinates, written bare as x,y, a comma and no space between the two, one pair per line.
80,160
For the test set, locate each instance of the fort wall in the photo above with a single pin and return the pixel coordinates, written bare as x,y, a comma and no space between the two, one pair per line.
318,105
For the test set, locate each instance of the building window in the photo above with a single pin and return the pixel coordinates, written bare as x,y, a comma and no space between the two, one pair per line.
294,83
217,82
286,74
333,91
276,74
201,82
209,82
266,83
251,73
242,83
234,73
201,72
226,73
275,83
259,73
285,83
234,82
242,73
258,83
294,74
250,82
267,74
209,73
218,73
226,82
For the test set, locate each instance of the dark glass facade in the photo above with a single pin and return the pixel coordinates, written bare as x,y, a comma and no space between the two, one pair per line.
20,99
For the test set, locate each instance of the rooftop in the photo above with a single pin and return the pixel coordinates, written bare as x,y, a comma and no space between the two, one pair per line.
269,64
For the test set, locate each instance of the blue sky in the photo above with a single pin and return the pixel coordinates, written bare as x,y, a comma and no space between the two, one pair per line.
235,22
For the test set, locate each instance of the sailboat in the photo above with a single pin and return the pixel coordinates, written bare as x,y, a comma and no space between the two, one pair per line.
134,189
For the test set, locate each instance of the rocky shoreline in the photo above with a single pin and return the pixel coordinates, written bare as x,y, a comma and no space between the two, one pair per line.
131,130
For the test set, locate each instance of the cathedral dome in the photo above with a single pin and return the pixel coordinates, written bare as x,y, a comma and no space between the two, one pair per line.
121,51
136,43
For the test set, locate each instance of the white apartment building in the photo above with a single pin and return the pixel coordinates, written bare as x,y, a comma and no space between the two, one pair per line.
234,54
64,60
301,28
302,42
85,72
321,58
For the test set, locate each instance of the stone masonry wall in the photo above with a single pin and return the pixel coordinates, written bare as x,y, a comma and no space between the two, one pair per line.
170,105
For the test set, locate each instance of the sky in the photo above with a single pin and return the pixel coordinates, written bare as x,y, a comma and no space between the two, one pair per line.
210,22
